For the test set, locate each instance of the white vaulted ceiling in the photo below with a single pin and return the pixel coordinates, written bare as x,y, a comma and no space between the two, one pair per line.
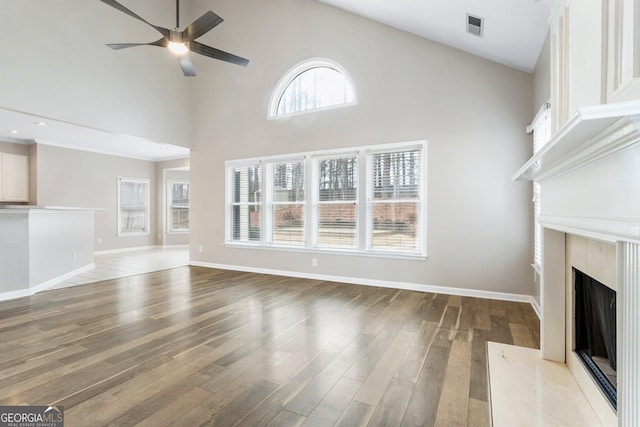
514,30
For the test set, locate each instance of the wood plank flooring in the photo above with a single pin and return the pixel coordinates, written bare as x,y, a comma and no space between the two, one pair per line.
194,346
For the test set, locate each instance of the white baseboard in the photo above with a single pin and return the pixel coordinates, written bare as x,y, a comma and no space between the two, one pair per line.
536,307
502,296
117,251
20,293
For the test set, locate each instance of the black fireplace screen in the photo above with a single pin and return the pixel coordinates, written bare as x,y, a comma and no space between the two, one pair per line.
595,332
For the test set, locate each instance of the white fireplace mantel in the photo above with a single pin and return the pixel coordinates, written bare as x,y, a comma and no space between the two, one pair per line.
593,133
586,195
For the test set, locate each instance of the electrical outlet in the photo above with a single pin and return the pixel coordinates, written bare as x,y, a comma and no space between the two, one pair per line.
201,248
74,254
314,262
99,240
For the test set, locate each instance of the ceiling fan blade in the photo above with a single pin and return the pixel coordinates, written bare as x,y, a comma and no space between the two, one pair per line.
113,3
201,26
187,66
212,52
115,46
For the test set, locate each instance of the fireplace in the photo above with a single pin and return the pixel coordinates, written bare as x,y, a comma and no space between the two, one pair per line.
590,182
595,332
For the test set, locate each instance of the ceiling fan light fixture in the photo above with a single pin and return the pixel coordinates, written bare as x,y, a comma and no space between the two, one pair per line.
178,48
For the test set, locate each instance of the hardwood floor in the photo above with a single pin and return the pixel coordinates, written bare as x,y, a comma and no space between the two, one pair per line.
194,346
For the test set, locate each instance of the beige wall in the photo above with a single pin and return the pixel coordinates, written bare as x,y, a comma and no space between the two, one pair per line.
23,150
14,148
83,179
471,111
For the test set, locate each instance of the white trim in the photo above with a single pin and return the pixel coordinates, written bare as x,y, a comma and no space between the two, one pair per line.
502,296
5,296
592,134
327,250
132,249
609,230
185,246
293,73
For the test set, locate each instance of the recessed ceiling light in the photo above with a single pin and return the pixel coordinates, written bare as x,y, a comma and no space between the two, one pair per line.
14,132
42,124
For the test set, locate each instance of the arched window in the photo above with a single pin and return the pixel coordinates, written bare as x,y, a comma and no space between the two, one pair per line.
312,85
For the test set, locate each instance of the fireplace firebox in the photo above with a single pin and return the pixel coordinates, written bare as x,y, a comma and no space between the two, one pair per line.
595,332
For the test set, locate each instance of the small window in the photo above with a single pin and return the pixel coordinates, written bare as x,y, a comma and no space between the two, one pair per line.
178,198
133,206
312,85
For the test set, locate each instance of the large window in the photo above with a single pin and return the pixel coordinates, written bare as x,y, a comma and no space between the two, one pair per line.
246,196
314,201
312,85
178,198
133,206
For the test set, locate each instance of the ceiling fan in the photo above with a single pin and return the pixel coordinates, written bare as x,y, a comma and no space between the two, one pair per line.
181,42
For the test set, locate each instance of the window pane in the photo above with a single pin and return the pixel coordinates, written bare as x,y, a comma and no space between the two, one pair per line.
395,226
246,223
247,184
180,194
179,218
288,224
338,179
337,224
315,88
396,175
134,196
288,182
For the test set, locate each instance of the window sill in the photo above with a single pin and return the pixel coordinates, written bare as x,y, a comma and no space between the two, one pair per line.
327,251
178,232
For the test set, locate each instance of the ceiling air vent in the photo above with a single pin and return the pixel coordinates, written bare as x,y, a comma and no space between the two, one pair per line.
475,25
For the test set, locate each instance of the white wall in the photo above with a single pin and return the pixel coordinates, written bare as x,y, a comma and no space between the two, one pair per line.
542,77
607,189
55,64
472,112
83,179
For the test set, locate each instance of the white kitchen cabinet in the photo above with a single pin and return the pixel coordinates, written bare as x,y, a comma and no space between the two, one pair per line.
14,178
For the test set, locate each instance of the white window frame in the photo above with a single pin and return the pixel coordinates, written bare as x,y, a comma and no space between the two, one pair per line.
295,71
269,201
170,184
316,199
364,225
147,230
421,197
230,166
